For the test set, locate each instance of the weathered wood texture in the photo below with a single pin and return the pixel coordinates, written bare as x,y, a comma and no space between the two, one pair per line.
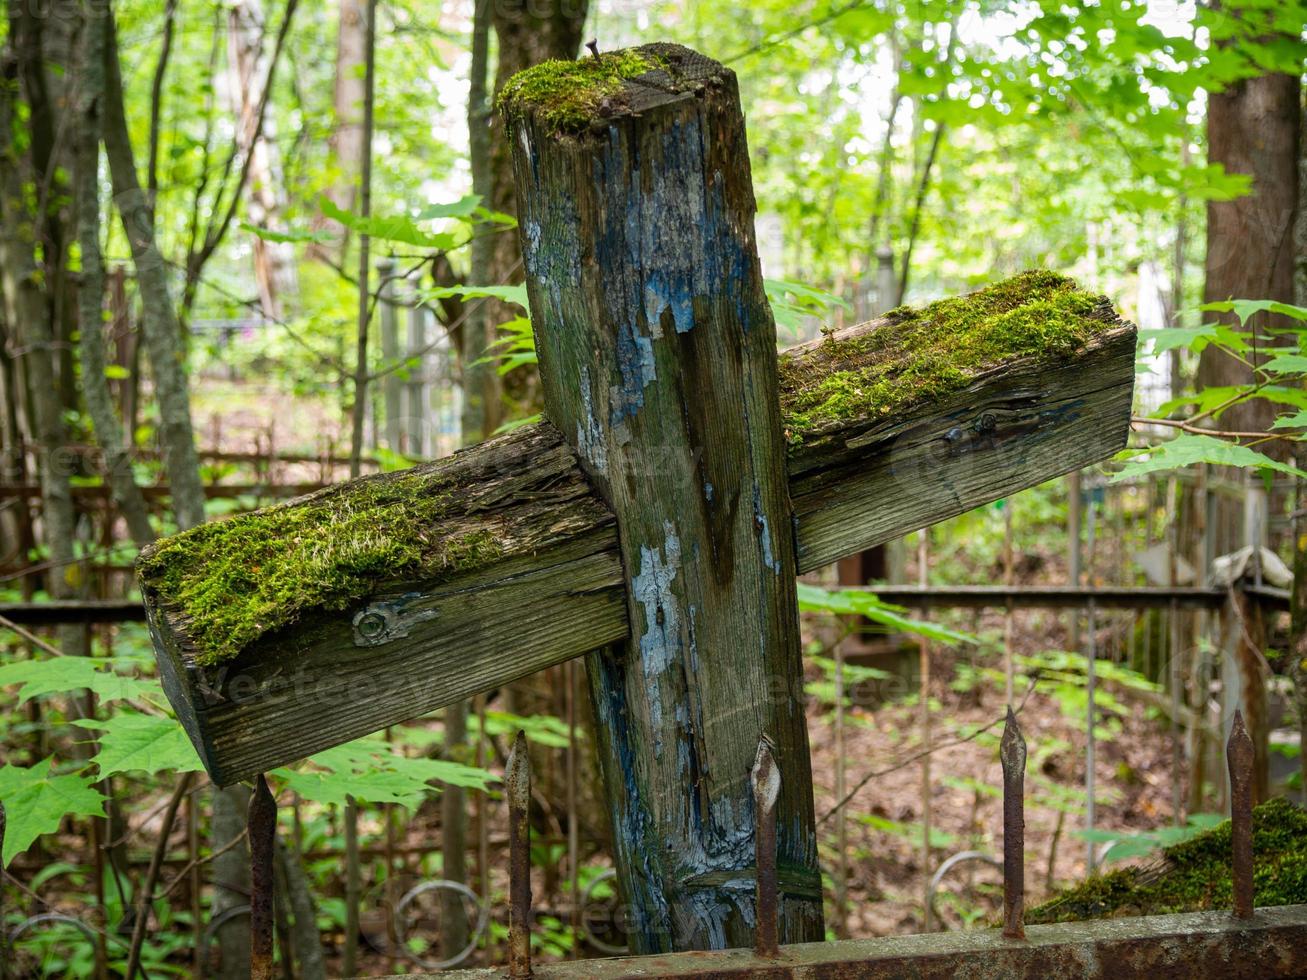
868,480
658,363
280,699
413,646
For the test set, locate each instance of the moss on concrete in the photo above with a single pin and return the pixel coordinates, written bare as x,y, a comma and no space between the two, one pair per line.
236,580
923,355
1195,876
566,95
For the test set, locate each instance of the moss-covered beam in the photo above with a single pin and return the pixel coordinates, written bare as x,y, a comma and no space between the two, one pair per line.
1194,876
247,608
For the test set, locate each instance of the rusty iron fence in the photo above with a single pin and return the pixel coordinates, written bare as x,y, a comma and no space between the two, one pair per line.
1245,942
1111,605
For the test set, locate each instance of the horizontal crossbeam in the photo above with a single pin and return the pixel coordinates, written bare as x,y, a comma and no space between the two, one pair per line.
510,563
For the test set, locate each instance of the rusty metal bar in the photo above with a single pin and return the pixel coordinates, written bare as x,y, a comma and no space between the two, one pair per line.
1192,945
262,819
1012,754
4,929
766,781
1239,757
517,787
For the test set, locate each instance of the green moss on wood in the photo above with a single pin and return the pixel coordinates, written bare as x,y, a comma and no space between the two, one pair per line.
566,95
924,355
234,581
1195,876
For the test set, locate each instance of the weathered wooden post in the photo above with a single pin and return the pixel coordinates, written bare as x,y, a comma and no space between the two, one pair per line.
658,361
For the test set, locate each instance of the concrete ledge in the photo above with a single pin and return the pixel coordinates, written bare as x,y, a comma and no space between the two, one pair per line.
1191,946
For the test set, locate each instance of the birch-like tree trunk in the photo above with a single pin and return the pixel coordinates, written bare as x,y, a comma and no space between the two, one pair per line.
346,141
247,69
90,293
159,322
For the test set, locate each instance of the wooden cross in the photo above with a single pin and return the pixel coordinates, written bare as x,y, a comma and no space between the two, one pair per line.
657,521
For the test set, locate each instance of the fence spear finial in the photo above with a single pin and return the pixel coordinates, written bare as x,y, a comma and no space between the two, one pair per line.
1239,756
517,787
262,821
1012,756
766,781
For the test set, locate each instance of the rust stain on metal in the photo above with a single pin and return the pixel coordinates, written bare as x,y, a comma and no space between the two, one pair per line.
766,781
262,819
517,786
1239,757
1012,755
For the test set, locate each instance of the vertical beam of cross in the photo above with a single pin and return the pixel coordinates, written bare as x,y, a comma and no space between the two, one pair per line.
658,362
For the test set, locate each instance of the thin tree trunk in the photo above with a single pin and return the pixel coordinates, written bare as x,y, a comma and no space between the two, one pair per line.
156,97
274,262
365,209
346,140
29,312
304,915
159,322
95,386
923,186
231,880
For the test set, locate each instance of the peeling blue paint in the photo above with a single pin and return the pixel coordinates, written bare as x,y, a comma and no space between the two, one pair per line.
635,364
764,532
707,491
660,640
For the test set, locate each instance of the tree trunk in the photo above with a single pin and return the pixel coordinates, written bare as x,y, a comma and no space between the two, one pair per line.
158,317
346,140
365,209
1252,128
30,308
658,360
274,262
529,32
99,404
304,917
231,880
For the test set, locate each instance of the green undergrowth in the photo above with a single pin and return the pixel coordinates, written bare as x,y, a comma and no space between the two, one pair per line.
1194,876
236,580
566,95
923,355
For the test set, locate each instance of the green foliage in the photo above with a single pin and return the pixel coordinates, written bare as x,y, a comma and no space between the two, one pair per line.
1191,449
793,303
62,675
400,228
369,770
907,831
1126,845
135,742
853,602
37,800
1278,379
239,579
